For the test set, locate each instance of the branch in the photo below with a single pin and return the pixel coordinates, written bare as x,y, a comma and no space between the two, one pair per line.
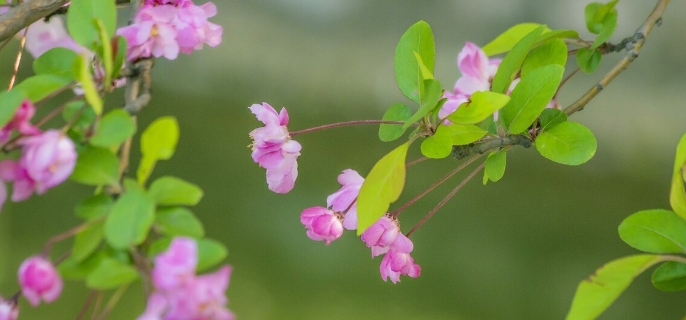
461,152
632,46
25,14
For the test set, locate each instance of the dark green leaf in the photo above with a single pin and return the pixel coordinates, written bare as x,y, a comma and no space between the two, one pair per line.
130,219
654,231
552,52
174,191
396,112
96,166
510,65
94,207
568,143
480,106
670,276
495,166
56,61
210,253
41,86
113,129
9,103
432,92
418,38
111,273
81,20
179,222
87,240
439,145
551,117
588,59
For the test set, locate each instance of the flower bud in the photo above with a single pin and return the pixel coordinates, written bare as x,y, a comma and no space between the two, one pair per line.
322,224
39,280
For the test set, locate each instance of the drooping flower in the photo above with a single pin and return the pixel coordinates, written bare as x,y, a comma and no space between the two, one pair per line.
322,224
39,280
273,148
345,198
176,266
20,122
398,261
8,309
381,235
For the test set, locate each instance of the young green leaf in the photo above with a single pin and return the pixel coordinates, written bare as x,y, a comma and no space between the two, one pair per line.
418,38
105,52
169,191
588,59
40,86
56,61
506,40
567,143
557,34
670,276
677,195
210,253
530,96
396,112
552,52
81,20
654,231
83,75
130,219
94,206
495,166
551,117
383,186
439,145
114,128
158,142
431,94
9,103
510,65
601,19
120,55
179,221
596,293
425,72
111,273
480,106
463,134
87,240
96,166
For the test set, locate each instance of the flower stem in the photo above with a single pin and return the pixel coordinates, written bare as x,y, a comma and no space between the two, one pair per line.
343,124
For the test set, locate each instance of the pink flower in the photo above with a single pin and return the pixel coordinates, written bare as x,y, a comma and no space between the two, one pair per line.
44,35
152,34
381,235
344,199
322,224
176,266
20,122
8,309
273,148
193,28
398,261
39,280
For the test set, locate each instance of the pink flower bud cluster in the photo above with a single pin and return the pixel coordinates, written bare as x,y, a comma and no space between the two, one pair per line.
48,158
383,237
180,293
39,280
273,149
167,27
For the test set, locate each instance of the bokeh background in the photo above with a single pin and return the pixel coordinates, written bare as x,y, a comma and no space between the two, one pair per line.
515,249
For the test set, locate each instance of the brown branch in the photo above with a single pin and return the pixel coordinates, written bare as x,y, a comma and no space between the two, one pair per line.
632,49
25,14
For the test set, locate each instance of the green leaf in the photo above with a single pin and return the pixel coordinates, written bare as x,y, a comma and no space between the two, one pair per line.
552,52
439,145
530,96
654,231
82,72
210,253
174,191
56,61
383,186
425,72
111,273
557,34
94,207
9,103
495,166
179,221
87,240
418,38
463,134
41,86
158,142
601,19
130,219
567,143
551,117
430,96
396,112
670,276
595,294
113,129
505,41
105,52
480,106
96,166
79,115
81,19
119,58
510,65
677,195
588,59
74,270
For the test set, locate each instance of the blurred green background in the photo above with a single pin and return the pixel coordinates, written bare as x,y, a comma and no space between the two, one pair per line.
515,249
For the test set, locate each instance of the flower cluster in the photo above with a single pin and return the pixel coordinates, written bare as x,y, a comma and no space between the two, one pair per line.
179,293
273,149
167,27
39,280
48,158
384,236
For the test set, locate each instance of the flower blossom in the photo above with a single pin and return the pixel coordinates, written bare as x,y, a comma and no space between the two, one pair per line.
39,280
398,261
322,224
165,28
20,122
344,200
179,293
44,35
8,309
381,235
273,148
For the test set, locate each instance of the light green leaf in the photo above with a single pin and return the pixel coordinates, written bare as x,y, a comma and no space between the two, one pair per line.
495,166
588,59
81,19
105,52
670,276
567,143
113,129
158,142
82,73
41,86
383,186
510,65
94,207
431,94
480,106
168,191
530,96
9,103
595,294
505,41
463,134
425,72
439,145
111,273
56,61
677,195
130,219
557,34
601,19
551,117
552,52
87,240
210,253
396,112
96,166
418,38
654,231
179,221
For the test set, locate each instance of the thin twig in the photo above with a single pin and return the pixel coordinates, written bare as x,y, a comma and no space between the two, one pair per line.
18,60
342,124
86,304
113,301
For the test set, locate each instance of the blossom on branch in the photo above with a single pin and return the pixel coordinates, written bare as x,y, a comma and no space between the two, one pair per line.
39,280
44,35
20,122
398,261
8,309
381,235
344,200
322,224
